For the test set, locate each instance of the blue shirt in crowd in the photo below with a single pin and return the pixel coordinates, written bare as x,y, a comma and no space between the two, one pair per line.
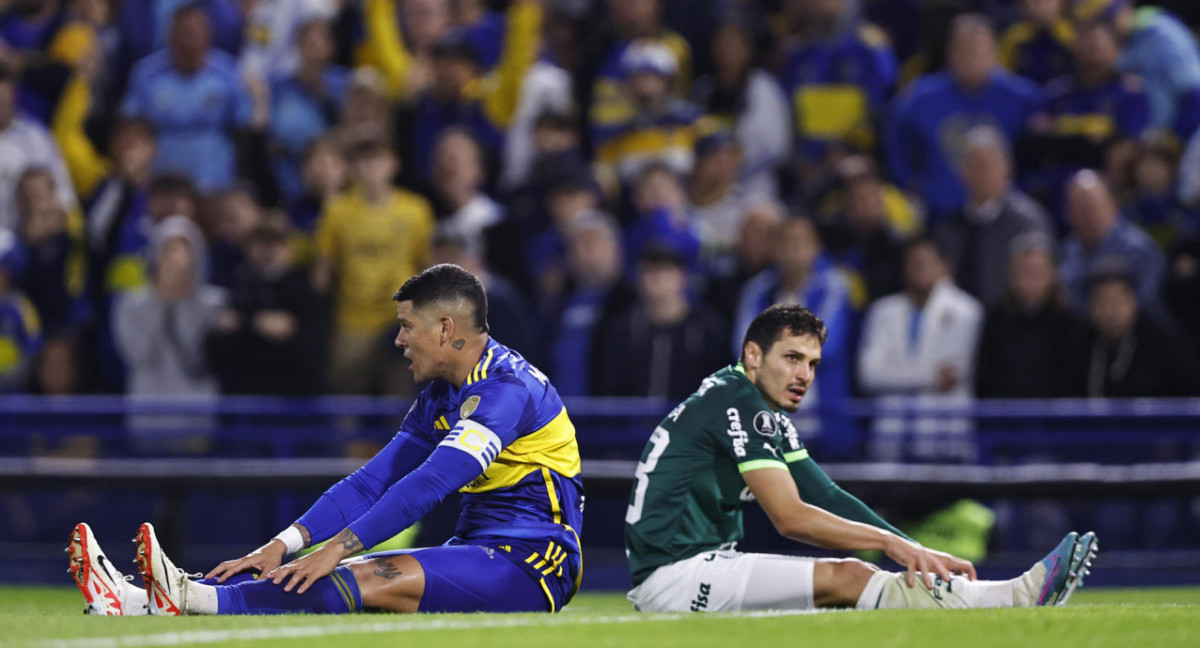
1164,53
1137,254
194,115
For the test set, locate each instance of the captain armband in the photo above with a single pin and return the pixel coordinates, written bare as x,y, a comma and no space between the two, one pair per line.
476,440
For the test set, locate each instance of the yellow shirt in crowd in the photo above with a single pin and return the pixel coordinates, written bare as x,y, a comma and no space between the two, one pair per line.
374,249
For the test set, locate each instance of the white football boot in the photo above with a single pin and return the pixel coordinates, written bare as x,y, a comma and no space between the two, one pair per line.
166,584
105,589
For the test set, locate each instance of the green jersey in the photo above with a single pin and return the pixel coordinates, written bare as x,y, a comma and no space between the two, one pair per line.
689,488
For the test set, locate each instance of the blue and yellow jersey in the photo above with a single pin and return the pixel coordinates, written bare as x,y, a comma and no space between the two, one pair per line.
610,107
837,86
528,502
20,337
669,137
1119,107
1040,55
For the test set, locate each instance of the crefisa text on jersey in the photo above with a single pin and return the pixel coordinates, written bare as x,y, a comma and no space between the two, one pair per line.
736,432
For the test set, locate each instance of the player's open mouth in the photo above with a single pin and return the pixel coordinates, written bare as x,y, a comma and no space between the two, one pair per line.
797,393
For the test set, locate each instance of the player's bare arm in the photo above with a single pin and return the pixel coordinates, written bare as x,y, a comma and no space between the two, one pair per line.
794,519
318,564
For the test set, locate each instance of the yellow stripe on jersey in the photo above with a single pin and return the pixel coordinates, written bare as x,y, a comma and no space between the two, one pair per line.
553,495
481,367
552,447
549,596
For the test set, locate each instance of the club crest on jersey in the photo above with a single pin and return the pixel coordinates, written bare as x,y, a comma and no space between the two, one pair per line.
764,423
468,407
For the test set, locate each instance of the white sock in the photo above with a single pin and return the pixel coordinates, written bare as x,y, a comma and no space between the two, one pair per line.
136,602
201,599
887,590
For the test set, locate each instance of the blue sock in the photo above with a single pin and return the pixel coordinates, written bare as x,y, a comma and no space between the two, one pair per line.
337,593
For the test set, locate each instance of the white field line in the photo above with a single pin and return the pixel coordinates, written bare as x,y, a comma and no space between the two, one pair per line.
378,627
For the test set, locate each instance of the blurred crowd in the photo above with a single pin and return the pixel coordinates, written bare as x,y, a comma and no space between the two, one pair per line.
980,198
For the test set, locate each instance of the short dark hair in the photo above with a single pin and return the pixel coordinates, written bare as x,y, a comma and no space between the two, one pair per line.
768,327
446,282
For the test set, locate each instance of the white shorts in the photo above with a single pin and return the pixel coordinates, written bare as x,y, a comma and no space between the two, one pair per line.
727,581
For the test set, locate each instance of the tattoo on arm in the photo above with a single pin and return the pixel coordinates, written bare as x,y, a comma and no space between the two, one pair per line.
304,534
385,568
350,542
458,344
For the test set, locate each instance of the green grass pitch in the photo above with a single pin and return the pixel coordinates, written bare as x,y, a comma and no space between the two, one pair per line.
45,617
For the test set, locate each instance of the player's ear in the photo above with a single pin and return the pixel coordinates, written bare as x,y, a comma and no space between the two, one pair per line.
447,326
752,355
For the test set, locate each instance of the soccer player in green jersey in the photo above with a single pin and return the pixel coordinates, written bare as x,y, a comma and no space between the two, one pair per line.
731,441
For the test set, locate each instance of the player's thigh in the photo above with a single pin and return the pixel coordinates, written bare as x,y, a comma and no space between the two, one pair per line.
391,580
460,578
724,581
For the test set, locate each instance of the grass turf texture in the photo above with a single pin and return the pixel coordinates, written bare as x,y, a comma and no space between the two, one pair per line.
45,617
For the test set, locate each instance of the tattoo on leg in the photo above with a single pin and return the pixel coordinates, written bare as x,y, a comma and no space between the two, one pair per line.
386,569
458,344
349,541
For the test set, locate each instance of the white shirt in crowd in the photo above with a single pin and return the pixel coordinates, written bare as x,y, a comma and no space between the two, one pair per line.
269,50
25,145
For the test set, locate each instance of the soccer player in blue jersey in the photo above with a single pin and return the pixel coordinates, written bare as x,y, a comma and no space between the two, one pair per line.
489,424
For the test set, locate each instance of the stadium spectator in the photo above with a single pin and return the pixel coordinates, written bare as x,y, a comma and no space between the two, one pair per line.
658,127
144,27
461,95
862,238
752,255
930,120
1038,47
976,241
55,273
481,28
555,157
366,113
233,215
1181,289
662,216
545,104
569,199
509,315
458,179
208,102
403,57
270,337
20,327
839,76
1128,354
1162,51
323,173
305,103
1154,204
1100,233
747,98
58,370
370,239
716,200
801,272
603,73
598,291
160,328
25,144
44,42
921,341
1081,114
1026,349
661,345
275,33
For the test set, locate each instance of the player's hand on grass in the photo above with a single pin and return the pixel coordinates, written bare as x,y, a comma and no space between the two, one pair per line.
308,569
928,563
264,559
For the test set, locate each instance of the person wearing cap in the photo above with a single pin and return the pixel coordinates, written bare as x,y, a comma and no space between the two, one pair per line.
660,127
271,337
663,344
603,62
839,78
20,326
1028,339
1162,51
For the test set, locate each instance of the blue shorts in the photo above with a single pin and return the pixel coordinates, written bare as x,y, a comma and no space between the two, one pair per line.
484,578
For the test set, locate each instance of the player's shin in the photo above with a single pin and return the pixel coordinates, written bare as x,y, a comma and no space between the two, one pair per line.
888,590
337,593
